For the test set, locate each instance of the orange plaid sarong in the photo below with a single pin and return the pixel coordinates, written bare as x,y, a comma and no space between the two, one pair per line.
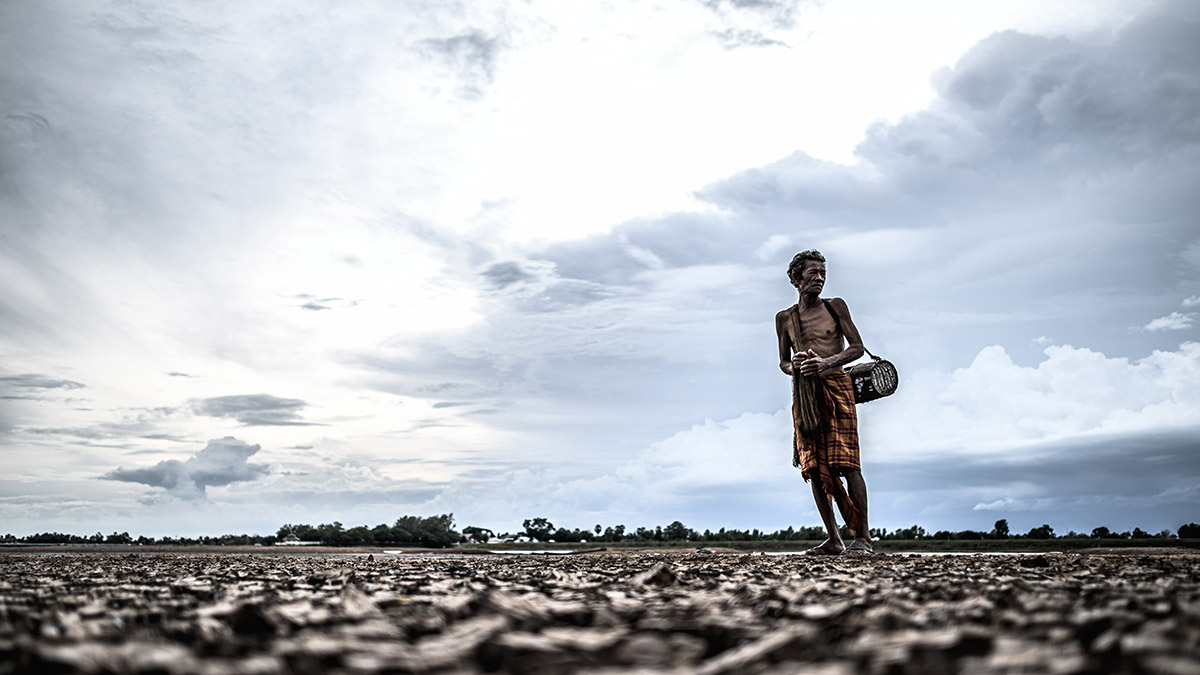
834,445
840,436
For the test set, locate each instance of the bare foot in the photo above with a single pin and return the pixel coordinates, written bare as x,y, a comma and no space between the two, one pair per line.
860,545
827,547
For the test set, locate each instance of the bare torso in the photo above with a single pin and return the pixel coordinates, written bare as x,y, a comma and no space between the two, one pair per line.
819,333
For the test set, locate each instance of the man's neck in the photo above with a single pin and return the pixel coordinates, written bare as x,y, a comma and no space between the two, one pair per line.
809,300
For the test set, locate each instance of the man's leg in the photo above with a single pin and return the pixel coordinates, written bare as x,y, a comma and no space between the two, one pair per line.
834,543
857,488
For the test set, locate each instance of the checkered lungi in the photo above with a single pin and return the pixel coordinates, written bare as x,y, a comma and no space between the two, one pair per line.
840,436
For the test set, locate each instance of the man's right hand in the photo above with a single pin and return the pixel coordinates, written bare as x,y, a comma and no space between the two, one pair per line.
808,364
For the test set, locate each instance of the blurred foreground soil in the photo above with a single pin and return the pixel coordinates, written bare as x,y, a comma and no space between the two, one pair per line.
683,612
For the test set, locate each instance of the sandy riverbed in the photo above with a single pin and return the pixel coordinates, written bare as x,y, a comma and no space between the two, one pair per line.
605,612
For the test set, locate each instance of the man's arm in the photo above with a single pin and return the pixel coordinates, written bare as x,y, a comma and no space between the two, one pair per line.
819,365
785,343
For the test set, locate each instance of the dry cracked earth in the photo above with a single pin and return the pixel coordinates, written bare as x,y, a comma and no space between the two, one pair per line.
682,612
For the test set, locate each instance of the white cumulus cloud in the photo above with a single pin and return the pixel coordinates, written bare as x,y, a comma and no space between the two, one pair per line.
1172,321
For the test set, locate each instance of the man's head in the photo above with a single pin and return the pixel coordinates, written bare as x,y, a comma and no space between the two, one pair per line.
812,261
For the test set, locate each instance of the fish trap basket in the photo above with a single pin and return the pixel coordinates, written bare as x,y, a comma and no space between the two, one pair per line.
874,379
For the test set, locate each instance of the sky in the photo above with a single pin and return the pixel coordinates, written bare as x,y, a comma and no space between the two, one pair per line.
284,262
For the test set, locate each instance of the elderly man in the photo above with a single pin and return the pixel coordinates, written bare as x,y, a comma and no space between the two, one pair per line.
816,338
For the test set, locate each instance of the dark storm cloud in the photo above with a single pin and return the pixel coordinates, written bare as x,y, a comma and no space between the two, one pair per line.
1147,479
1041,111
221,462
38,381
503,274
253,409
1019,118
1114,465
472,55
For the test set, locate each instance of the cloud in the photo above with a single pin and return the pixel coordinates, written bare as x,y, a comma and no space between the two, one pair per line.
1173,321
732,38
471,55
314,304
774,245
780,13
997,406
1193,301
505,274
222,462
253,409
38,381
130,424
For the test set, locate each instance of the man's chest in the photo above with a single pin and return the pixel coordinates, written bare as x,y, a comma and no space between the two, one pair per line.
812,326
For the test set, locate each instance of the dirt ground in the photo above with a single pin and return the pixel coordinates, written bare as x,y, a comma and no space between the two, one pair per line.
646,612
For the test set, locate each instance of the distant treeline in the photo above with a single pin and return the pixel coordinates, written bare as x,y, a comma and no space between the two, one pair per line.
541,529
439,532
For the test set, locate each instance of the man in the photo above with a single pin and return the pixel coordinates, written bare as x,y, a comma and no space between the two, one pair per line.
816,338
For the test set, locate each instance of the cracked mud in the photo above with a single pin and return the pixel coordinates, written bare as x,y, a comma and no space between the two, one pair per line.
682,612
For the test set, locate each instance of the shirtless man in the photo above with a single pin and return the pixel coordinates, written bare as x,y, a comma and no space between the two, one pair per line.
816,338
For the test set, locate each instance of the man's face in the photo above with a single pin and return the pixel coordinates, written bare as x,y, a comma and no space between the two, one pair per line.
812,277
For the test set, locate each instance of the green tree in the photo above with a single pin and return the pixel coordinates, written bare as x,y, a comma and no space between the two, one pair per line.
432,531
540,529
676,531
1000,529
1189,531
360,536
1043,532
478,535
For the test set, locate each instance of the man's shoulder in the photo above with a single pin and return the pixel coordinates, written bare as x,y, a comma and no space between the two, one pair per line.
783,313
837,303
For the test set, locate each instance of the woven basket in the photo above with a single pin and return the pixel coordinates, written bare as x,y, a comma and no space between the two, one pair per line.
874,379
